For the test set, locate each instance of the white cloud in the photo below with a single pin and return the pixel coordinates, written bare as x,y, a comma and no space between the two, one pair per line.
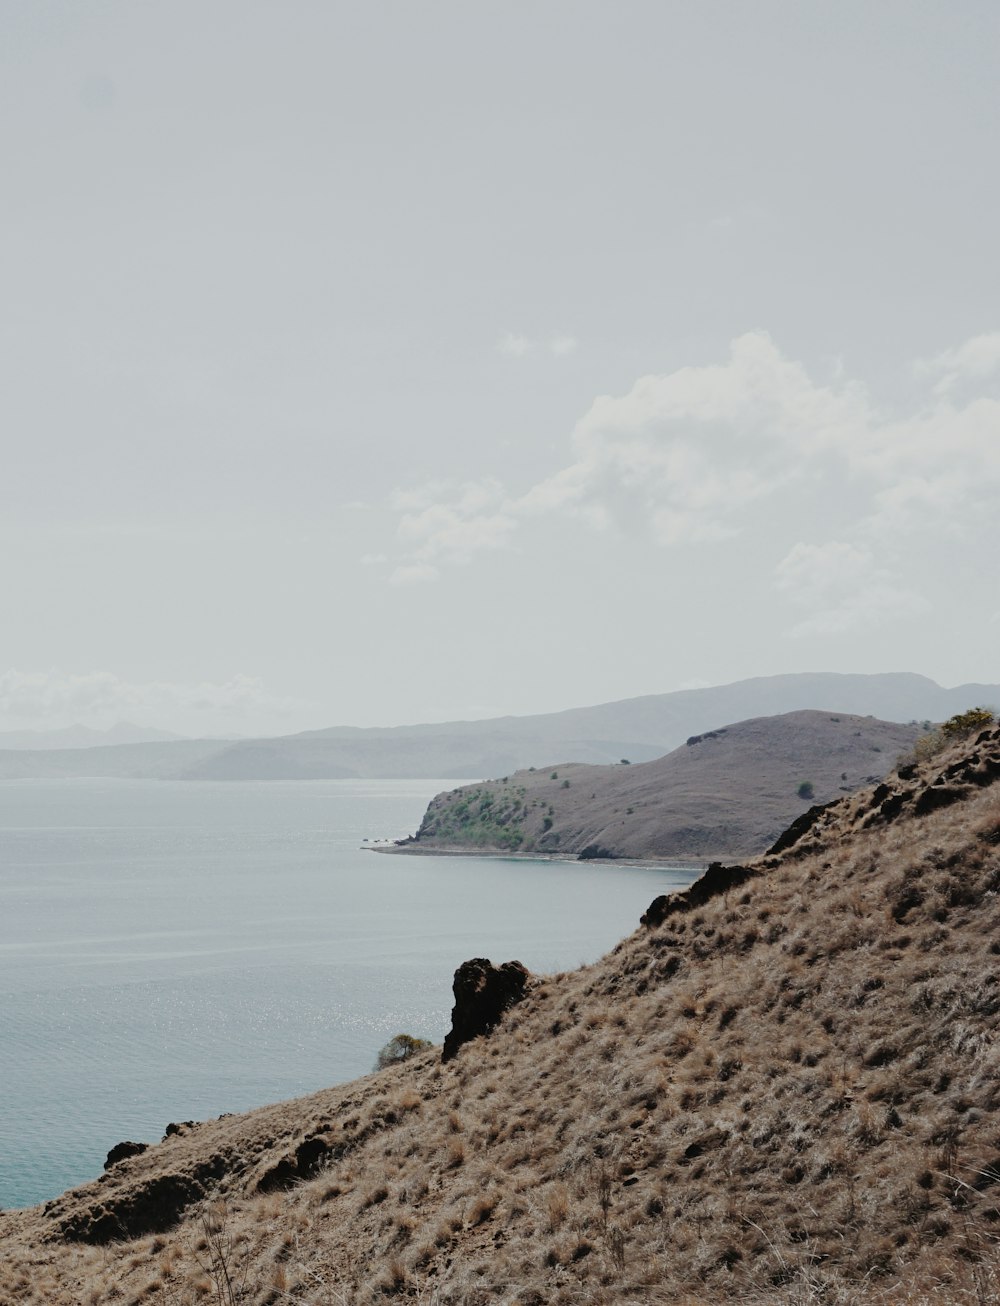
517,346
460,521
509,343
414,573
101,697
561,346
706,454
843,588
975,359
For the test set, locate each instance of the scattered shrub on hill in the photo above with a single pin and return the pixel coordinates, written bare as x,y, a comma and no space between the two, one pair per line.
806,790
956,727
966,723
400,1048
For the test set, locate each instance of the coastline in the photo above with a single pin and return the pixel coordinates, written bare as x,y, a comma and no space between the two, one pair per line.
680,860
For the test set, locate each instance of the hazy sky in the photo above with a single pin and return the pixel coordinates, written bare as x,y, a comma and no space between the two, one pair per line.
389,361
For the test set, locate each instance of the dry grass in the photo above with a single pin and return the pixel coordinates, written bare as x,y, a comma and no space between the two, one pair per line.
788,1095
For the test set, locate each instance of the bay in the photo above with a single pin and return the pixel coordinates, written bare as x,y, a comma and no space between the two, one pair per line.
172,951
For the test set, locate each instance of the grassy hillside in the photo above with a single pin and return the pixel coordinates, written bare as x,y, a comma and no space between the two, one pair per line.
784,1087
727,793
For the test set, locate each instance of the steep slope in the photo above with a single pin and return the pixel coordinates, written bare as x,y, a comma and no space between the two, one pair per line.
727,793
639,728
784,1088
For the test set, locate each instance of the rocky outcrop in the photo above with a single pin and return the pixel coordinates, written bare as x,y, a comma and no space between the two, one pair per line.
152,1205
122,1151
717,879
302,1164
483,992
913,790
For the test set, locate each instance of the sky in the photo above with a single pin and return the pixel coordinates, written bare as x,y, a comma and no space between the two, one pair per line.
415,360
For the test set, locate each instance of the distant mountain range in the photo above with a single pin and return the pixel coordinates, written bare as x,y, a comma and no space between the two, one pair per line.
77,736
639,729
727,793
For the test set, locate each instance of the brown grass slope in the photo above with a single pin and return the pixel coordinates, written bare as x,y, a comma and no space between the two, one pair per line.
785,1091
727,793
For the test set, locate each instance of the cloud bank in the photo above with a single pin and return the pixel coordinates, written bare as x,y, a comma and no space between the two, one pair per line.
38,698
722,454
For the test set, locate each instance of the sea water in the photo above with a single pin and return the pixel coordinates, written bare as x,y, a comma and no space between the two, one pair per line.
172,951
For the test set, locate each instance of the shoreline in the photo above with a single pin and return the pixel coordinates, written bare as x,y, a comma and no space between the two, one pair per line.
681,861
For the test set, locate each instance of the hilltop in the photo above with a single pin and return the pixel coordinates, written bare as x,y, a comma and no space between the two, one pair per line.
783,1087
640,729
726,793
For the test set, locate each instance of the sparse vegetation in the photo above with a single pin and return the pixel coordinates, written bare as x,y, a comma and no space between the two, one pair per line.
960,726
967,723
730,796
400,1048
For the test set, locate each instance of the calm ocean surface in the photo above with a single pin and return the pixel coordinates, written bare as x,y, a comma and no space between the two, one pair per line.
173,951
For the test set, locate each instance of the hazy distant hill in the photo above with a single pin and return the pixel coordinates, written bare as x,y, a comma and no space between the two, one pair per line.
77,736
727,793
158,761
638,728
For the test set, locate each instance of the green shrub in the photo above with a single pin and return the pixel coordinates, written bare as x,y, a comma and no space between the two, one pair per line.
956,727
806,790
400,1048
966,723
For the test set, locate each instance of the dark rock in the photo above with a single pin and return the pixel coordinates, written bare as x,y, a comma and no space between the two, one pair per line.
177,1127
310,1155
894,804
595,852
708,1142
151,1207
800,826
483,992
121,1151
937,796
717,879
278,1177
709,734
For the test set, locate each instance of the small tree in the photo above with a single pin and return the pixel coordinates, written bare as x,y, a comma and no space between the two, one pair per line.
806,790
400,1048
956,727
965,723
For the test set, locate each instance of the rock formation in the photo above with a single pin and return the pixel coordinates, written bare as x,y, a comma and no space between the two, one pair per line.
483,992
121,1151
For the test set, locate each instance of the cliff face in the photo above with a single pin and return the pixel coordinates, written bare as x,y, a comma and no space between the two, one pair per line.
727,793
783,1088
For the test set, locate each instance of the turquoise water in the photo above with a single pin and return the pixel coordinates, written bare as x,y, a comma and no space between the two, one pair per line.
173,951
